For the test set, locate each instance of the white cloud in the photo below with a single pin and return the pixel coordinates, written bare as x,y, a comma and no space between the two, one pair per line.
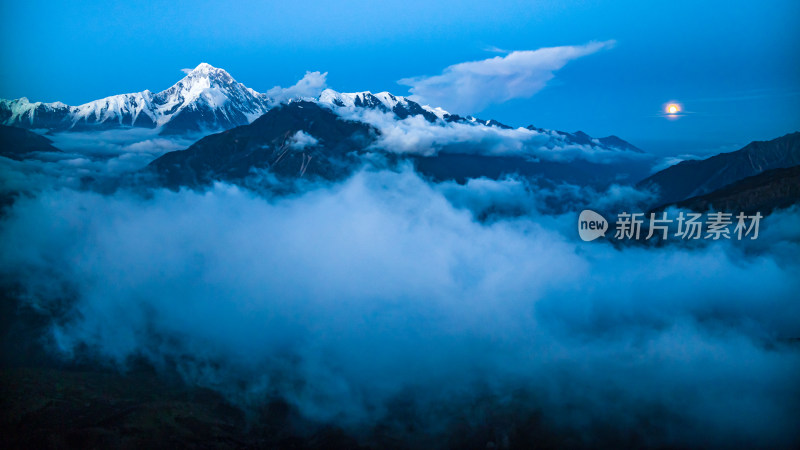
187,71
415,135
495,49
311,85
670,161
343,299
302,140
471,86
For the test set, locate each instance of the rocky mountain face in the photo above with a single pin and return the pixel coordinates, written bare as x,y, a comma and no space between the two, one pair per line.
383,101
207,98
290,141
307,139
765,192
696,178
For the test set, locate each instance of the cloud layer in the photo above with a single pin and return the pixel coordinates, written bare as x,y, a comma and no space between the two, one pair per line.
385,288
470,87
416,136
311,85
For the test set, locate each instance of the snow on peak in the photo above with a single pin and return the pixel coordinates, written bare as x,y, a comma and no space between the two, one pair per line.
389,100
204,67
212,98
363,98
207,71
438,112
206,97
331,97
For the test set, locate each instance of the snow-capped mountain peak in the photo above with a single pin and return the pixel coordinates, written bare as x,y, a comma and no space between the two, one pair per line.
364,98
401,106
207,98
206,76
26,114
207,70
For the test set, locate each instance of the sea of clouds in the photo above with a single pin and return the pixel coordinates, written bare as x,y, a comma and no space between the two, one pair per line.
344,298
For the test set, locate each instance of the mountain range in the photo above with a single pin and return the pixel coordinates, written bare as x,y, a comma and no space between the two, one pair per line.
292,141
327,136
696,178
209,99
307,139
313,140
206,99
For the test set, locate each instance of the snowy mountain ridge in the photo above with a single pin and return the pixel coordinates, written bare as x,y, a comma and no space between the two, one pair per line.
207,98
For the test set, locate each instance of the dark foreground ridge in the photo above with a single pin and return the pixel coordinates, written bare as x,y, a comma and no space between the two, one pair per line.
17,143
292,140
695,178
765,192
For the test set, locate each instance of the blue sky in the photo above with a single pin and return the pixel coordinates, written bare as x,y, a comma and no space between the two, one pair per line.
733,65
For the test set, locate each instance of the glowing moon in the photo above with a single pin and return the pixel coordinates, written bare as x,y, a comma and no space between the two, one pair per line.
672,108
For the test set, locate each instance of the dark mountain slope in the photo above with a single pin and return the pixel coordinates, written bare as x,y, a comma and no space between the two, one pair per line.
16,143
294,140
695,178
462,166
773,189
305,139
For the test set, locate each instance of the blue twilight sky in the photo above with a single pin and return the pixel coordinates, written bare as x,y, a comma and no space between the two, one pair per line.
732,64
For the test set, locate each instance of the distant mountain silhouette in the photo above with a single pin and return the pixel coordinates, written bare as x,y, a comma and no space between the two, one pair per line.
696,178
765,192
16,143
